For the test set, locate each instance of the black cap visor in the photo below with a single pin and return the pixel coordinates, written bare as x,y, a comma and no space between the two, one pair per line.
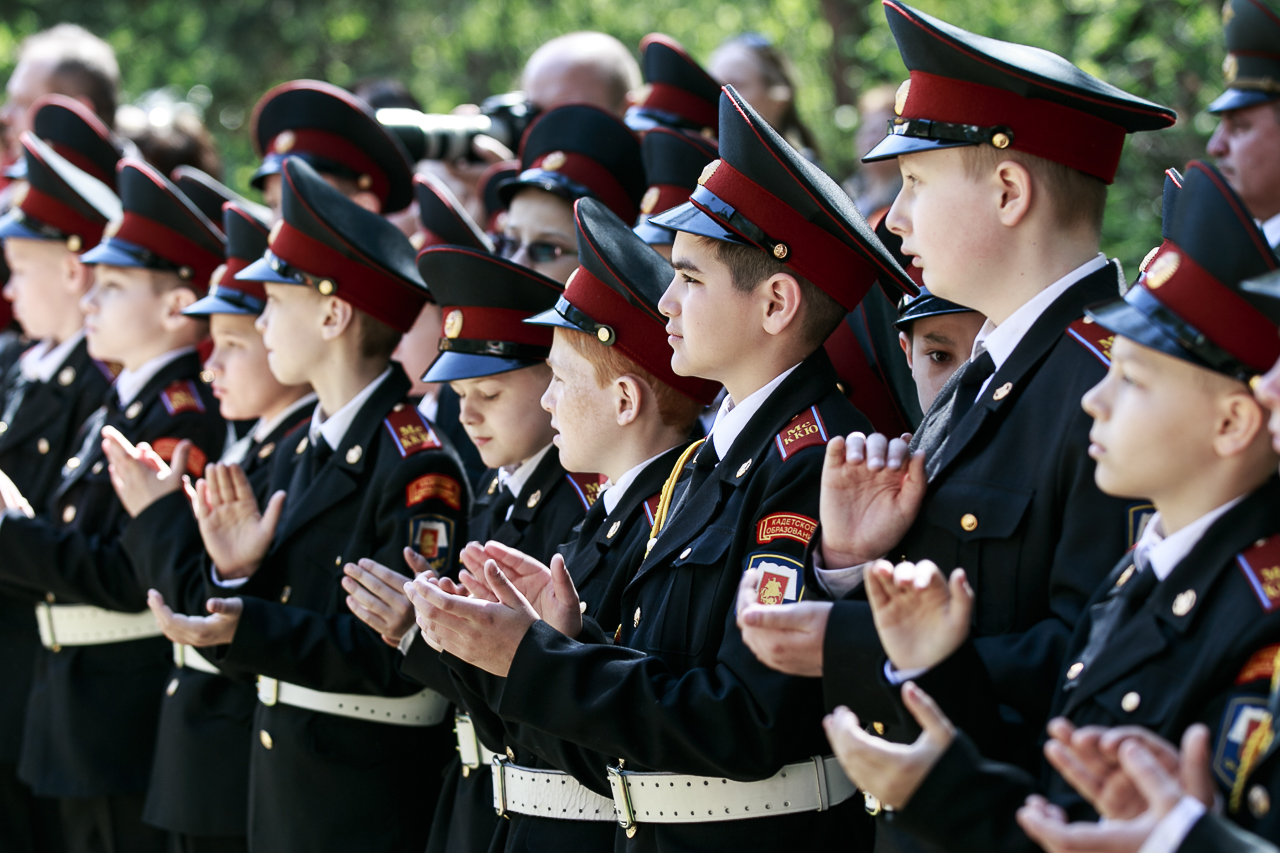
452,366
686,217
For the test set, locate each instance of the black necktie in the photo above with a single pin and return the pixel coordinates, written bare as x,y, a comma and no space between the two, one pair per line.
972,376
1106,617
309,467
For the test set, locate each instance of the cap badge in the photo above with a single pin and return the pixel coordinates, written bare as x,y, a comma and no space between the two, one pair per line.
707,172
20,195
284,141
1162,269
453,323
554,161
1227,13
74,243
650,200
533,499
900,99
1146,262
1230,67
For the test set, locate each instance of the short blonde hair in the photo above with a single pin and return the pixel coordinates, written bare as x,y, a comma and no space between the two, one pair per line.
1077,198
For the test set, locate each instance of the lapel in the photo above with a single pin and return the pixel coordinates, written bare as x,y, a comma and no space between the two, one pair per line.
1019,368
339,476
807,384
261,453
1150,630
41,403
545,477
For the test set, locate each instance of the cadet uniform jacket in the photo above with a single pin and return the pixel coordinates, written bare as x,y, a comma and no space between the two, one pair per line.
201,768
1012,500
681,692
317,781
40,421
91,722
1200,646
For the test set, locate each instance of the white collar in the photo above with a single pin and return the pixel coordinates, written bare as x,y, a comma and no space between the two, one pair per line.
1271,230
129,383
1002,340
520,474
1163,553
733,417
429,406
264,428
42,361
334,427
613,494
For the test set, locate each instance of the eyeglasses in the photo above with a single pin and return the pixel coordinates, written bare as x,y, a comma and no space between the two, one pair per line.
538,252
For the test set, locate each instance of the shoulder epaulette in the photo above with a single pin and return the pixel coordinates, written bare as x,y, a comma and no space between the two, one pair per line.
182,395
1261,567
805,430
587,487
410,431
1096,339
651,508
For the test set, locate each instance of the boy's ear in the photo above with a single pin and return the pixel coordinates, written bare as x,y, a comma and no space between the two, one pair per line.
781,302
336,316
630,393
1242,420
904,341
1015,186
176,301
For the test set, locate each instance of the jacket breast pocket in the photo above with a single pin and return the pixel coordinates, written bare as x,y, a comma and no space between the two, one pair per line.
683,595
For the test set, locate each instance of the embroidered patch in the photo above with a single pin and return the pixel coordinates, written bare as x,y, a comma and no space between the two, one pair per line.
805,430
779,577
1261,567
181,396
434,486
587,487
432,537
1261,664
785,525
196,459
1094,338
651,508
1139,515
411,432
1243,716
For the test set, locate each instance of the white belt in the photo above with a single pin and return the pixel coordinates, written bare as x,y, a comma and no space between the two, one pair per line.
471,751
425,708
85,625
808,786
190,658
546,793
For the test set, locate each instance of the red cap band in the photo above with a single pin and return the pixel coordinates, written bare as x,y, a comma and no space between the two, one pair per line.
166,243
377,294
831,264
639,336
337,148
585,171
53,212
673,99
1064,135
494,324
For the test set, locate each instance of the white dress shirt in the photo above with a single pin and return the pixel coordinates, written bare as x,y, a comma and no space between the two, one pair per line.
334,427
235,452
733,417
1271,230
513,478
129,383
614,492
42,361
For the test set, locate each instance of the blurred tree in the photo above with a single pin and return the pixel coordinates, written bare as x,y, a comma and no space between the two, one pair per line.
223,55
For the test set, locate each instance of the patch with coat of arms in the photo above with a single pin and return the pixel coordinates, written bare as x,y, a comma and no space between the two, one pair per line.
780,577
432,537
1240,721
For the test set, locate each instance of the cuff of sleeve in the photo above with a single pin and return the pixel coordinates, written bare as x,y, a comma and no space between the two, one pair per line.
902,676
231,583
1173,828
406,641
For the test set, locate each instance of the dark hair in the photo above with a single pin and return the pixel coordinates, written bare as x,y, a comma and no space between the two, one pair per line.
384,92
377,339
776,70
184,141
84,66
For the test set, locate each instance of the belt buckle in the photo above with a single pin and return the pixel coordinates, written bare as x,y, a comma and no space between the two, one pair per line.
268,690
622,800
500,785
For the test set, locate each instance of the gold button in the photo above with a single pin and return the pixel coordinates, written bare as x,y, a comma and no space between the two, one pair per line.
42,446
969,522
635,620
354,454
133,411
207,377
1183,603
613,531
684,555
68,513
326,287
1000,140
172,688
582,607
466,772
302,446
1259,801
398,407
74,244
4,427
267,450
73,463
337,561
511,753
879,727
265,737
533,499
1002,392
66,375
97,467
1130,701
745,467
1074,672
285,593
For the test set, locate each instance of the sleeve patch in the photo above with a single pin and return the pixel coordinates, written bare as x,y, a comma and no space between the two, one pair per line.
196,459
1241,721
1261,664
651,508
779,577
434,486
181,396
1261,567
587,487
805,430
432,537
1096,339
785,525
411,432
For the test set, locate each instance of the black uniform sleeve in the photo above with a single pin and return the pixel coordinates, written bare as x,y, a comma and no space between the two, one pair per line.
1215,834
163,544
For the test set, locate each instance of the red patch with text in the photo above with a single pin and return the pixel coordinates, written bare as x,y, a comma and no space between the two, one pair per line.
785,525
1261,567
1094,338
181,396
651,508
1261,664
805,430
196,459
434,487
411,432
587,487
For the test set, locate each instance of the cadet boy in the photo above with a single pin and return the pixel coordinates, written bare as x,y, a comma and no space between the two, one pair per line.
1024,143
1182,630
673,162
201,766
91,722
345,746
53,389
679,695
936,336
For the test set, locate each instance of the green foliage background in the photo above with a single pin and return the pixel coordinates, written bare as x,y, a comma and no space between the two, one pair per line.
452,51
